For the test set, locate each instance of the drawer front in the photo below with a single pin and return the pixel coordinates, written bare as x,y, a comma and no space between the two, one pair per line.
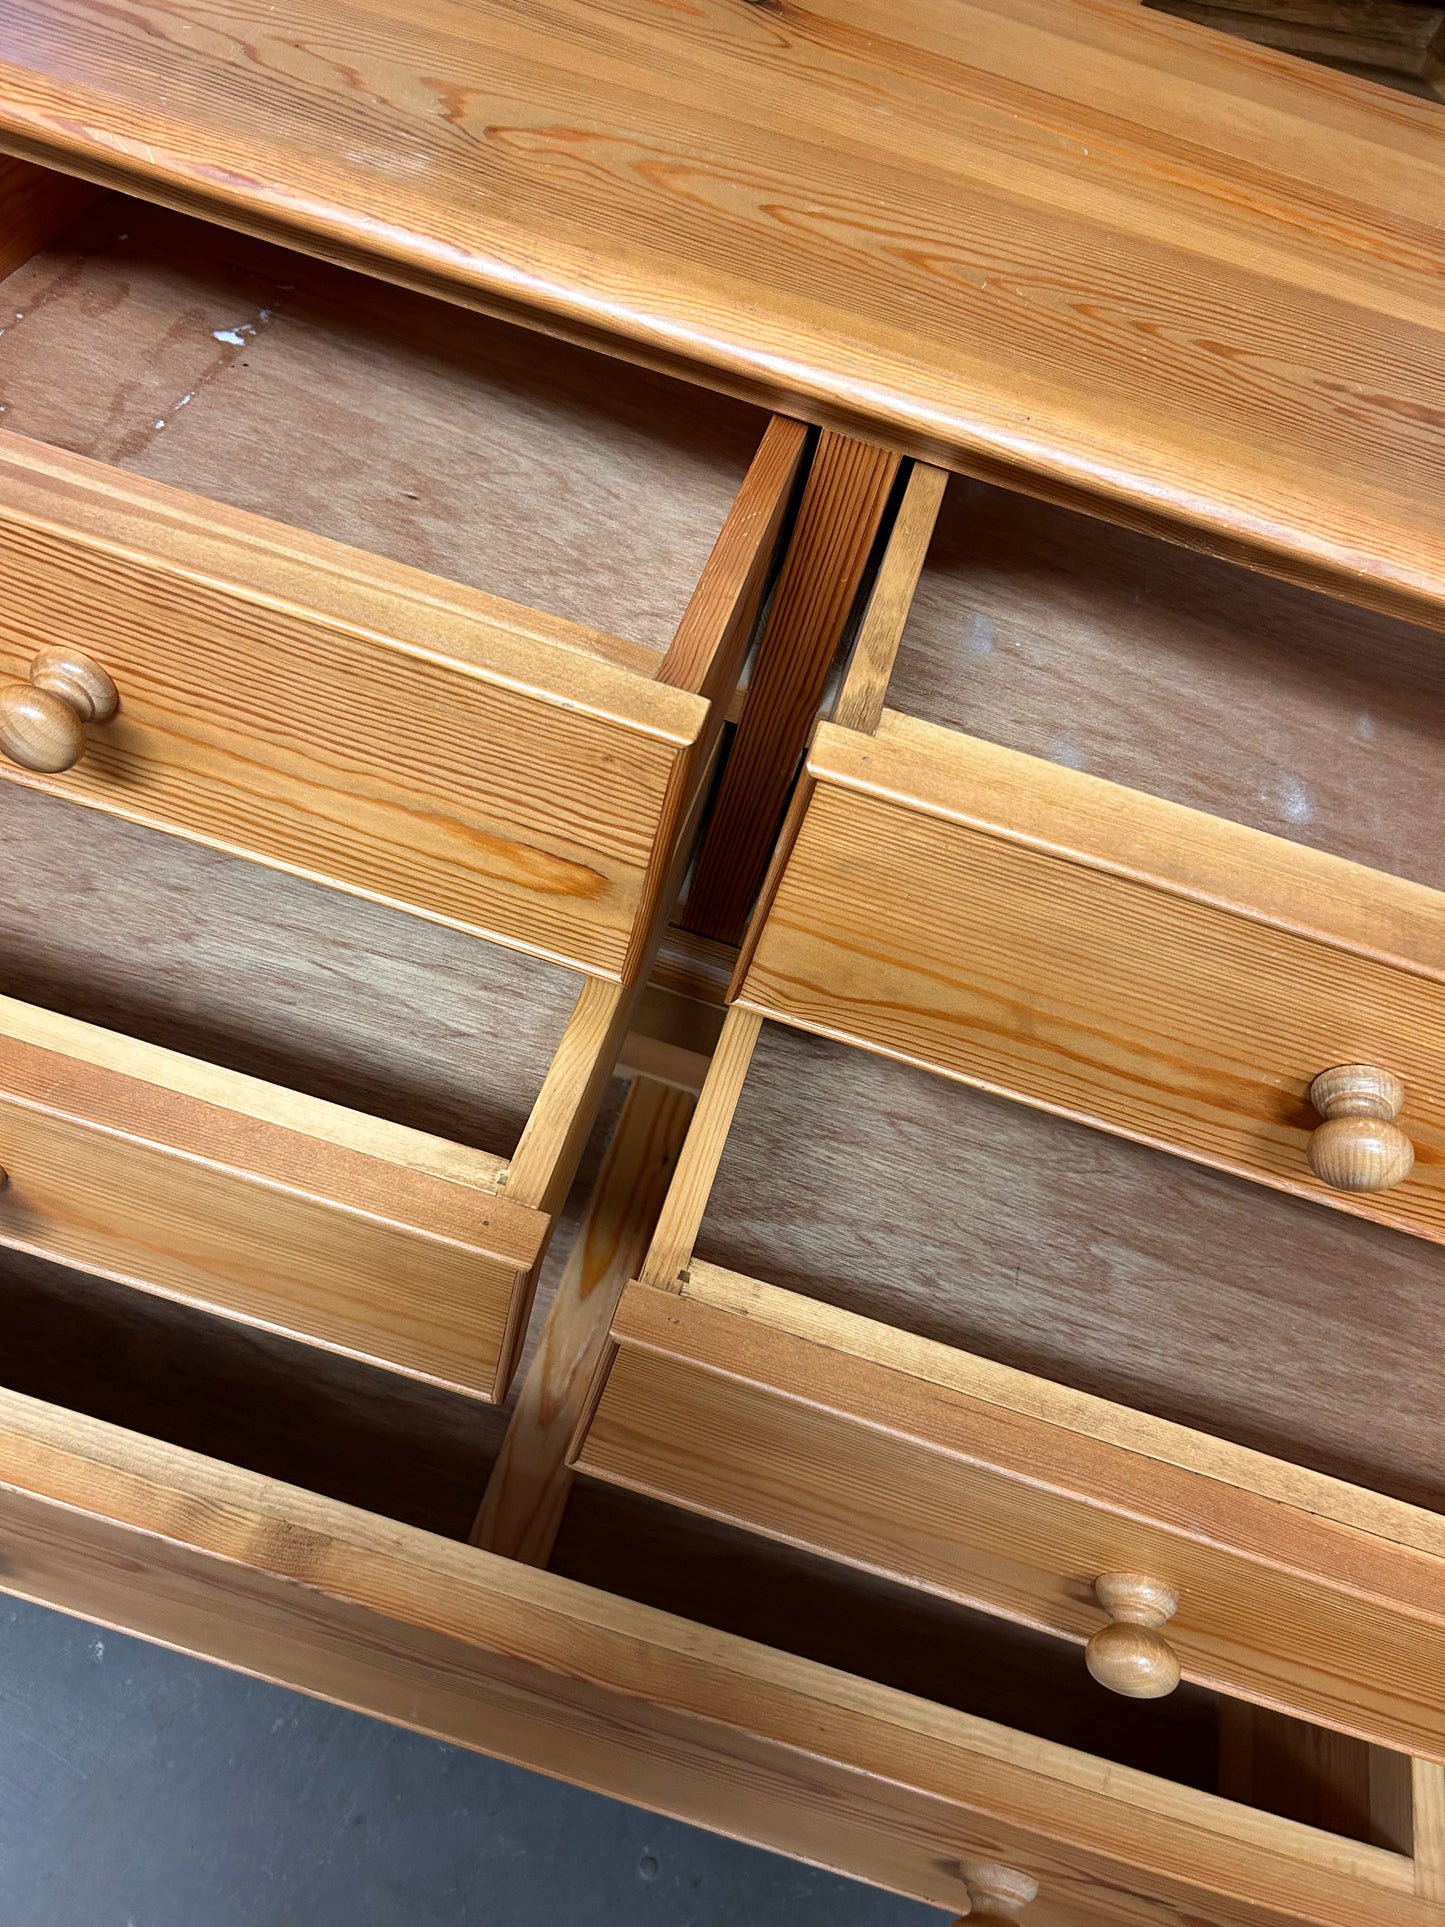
640,1705
226,1194
978,1483
1103,955
345,718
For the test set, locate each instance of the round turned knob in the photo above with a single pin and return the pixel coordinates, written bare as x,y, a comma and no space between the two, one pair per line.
1130,1656
995,1892
1358,1148
42,722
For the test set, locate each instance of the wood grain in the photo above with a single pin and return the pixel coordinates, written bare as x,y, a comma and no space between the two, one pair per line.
736,1581
1180,675
1428,1787
1044,953
276,1406
875,653
497,458
642,1706
1325,1779
251,969
1079,1257
940,1471
35,205
1131,261
844,500
279,1211
686,1201
530,1482
318,709
707,653
707,659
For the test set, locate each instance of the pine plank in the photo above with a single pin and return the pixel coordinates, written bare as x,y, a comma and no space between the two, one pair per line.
1109,253
844,500
529,1484
646,1707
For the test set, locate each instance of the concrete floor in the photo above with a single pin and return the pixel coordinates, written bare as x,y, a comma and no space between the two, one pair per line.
139,1788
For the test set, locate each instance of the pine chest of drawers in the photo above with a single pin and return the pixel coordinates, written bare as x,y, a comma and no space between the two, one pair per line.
721,1059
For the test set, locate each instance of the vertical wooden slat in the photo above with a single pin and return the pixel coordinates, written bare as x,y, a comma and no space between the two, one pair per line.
528,1489
706,655
842,509
682,1214
1428,1790
860,702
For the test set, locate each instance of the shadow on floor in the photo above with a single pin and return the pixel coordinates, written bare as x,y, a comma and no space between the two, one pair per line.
140,1788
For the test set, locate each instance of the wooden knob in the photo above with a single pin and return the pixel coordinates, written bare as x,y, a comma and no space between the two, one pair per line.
1130,1656
1358,1148
995,1892
42,722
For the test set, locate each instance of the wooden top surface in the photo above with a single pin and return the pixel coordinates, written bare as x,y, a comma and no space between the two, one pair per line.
1063,240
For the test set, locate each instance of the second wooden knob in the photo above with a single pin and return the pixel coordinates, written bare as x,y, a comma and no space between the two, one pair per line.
1359,1147
1130,1655
42,721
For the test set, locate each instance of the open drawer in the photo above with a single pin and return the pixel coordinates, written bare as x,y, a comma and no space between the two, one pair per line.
994,1355
280,1103
251,1201
614,1694
1145,840
473,660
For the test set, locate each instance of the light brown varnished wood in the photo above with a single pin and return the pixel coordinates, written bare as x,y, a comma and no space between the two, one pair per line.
707,652
43,719
634,1702
255,1203
1110,956
737,1582
865,687
1309,1773
1131,1655
251,969
842,509
996,1488
395,376
1428,1817
975,266
277,1406
325,711
556,1134
682,1211
527,1491
1359,1147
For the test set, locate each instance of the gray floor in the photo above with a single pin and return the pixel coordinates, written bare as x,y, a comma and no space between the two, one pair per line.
142,1789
